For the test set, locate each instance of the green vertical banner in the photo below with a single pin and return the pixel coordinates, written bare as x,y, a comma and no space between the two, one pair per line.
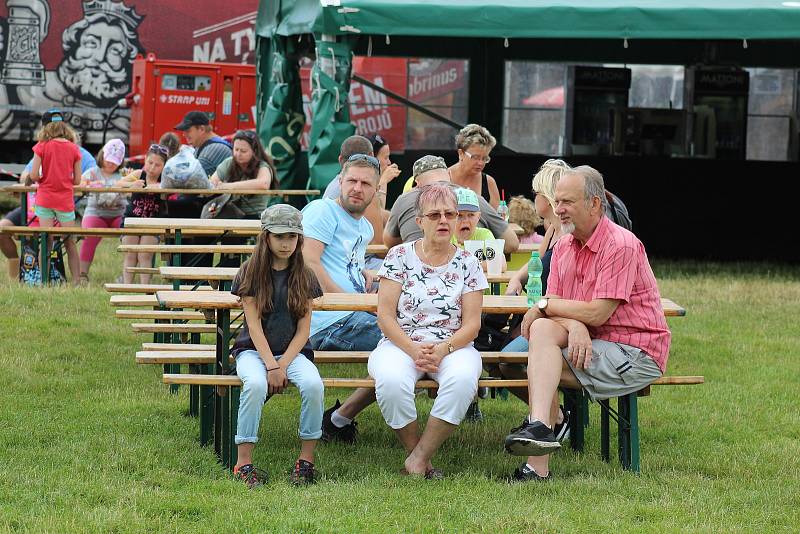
280,105
330,112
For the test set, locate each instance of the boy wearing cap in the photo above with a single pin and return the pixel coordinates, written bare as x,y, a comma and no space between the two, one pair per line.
402,226
467,229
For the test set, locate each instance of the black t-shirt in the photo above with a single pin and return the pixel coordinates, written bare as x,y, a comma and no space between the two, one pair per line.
278,325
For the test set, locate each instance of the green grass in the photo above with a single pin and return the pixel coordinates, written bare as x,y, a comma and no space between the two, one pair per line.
91,442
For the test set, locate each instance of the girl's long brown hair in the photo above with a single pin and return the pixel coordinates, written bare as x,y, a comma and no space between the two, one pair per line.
257,278
55,130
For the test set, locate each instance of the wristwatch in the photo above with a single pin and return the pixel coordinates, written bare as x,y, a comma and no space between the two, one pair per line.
542,305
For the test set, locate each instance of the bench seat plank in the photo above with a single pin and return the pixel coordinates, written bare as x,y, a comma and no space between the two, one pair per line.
150,288
177,346
232,380
175,315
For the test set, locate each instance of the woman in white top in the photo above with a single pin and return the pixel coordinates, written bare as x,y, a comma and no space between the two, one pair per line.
429,310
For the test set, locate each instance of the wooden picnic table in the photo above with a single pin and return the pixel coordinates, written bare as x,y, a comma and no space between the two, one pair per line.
355,302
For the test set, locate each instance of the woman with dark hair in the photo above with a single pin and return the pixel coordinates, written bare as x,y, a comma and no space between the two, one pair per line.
249,168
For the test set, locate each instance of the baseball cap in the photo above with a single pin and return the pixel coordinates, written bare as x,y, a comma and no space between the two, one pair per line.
51,115
282,219
193,118
467,200
428,163
114,152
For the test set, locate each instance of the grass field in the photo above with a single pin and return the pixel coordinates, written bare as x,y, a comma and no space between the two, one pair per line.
91,442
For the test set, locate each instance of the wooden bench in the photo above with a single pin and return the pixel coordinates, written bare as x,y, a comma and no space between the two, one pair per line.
142,270
150,288
224,428
177,346
626,414
161,315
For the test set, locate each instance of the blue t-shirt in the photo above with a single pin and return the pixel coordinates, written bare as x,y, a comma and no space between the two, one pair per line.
345,240
87,161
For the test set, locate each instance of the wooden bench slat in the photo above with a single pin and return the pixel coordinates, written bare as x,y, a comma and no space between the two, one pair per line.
198,357
232,380
155,328
150,288
134,300
160,314
77,230
177,346
142,270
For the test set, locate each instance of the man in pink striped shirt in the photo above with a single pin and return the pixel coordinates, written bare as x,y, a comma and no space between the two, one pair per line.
601,326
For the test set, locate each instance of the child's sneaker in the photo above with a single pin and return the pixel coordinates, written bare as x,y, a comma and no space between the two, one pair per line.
303,473
250,475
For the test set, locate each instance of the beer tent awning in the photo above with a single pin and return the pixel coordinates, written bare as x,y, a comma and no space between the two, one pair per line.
537,19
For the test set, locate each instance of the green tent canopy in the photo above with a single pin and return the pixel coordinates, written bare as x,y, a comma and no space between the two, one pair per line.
564,19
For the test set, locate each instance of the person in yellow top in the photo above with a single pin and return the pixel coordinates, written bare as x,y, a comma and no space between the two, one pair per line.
469,213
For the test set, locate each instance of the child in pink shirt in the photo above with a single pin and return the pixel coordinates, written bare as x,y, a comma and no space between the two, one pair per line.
57,169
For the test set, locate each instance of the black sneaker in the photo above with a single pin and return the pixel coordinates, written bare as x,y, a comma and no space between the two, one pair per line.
561,430
303,473
250,475
331,432
473,414
524,473
531,439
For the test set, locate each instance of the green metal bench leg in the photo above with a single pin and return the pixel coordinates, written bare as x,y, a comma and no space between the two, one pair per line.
605,444
234,451
226,437
576,427
629,433
206,410
194,393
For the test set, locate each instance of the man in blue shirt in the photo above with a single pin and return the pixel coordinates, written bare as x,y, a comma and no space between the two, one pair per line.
336,235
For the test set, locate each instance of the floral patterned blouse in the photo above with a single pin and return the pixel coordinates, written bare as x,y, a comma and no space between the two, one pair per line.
429,308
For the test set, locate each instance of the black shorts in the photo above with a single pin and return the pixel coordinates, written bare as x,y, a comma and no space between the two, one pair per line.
15,216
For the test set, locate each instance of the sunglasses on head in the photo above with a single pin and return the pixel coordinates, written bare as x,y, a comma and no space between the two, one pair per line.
161,149
364,157
250,134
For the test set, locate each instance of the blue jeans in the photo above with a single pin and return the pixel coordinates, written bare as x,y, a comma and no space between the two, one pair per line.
301,372
518,344
357,331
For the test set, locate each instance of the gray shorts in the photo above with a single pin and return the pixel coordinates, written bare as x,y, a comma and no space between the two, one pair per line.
616,369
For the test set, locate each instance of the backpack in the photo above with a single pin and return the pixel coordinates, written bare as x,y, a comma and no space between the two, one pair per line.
617,211
29,272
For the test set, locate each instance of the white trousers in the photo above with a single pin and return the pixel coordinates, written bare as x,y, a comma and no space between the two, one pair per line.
395,379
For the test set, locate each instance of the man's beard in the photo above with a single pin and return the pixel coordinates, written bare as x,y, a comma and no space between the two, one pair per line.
353,209
88,80
567,228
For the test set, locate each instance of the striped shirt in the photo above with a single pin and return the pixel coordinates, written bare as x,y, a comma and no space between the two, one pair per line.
613,265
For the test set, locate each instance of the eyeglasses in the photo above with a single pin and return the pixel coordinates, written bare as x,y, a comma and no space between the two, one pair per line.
364,157
161,149
474,157
436,216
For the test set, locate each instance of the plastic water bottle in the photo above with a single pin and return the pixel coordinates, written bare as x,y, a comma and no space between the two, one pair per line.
502,210
534,285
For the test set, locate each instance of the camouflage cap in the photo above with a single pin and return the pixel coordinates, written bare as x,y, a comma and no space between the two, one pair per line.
282,219
428,163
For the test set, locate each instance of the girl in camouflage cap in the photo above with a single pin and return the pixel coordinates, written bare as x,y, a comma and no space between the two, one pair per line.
272,348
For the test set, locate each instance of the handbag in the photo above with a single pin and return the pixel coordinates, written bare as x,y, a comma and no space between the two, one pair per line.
221,207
